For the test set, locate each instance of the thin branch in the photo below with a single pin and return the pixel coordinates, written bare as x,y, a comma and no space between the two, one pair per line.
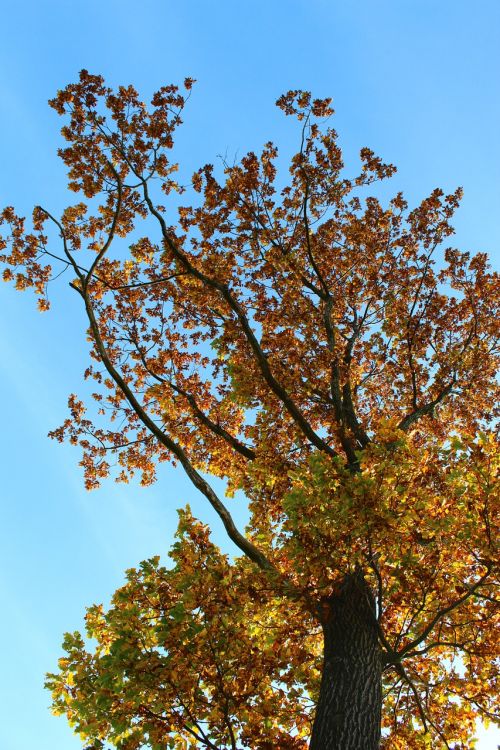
102,252
67,252
319,276
442,612
423,714
214,427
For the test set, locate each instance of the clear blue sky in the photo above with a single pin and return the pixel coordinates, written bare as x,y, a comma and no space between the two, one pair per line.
417,80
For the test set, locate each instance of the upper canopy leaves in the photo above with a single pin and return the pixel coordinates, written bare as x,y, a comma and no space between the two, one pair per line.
319,351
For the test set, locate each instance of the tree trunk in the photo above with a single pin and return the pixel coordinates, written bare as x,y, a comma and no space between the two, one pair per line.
350,701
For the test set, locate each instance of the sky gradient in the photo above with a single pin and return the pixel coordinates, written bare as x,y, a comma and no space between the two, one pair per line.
416,80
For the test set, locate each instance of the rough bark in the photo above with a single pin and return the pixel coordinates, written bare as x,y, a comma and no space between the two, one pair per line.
350,701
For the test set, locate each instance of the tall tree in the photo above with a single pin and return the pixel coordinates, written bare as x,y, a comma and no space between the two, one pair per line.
295,337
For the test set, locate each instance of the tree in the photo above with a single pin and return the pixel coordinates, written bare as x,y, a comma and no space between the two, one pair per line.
300,341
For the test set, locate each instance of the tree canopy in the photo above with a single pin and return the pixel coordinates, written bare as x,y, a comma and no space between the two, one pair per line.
330,357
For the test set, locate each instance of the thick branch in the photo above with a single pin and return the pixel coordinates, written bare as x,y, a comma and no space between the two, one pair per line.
428,408
247,547
236,444
260,356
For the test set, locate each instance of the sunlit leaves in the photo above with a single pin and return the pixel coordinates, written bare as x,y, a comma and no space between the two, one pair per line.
324,353
201,649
